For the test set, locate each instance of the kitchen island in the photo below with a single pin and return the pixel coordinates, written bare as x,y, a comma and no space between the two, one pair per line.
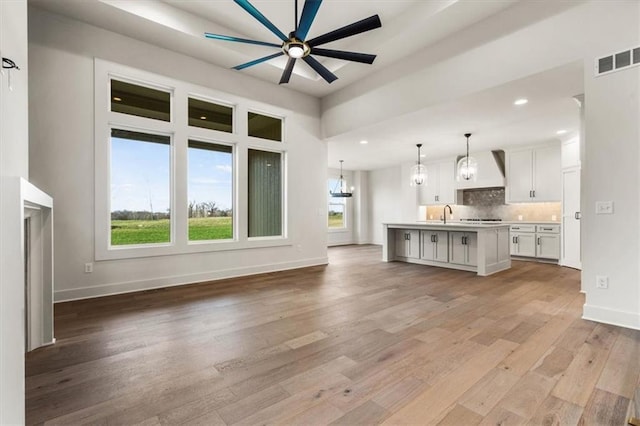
476,247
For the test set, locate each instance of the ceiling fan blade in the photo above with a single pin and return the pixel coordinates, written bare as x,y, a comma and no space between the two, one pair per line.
367,24
240,40
309,12
320,69
365,58
260,17
286,75
257,61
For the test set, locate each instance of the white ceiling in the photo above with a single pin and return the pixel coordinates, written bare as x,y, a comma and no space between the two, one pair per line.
408,27
491,116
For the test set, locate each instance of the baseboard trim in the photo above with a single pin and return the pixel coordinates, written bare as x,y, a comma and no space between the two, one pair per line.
612,316
177,280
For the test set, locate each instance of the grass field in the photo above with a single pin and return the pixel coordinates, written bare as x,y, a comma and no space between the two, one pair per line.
125,232
336,221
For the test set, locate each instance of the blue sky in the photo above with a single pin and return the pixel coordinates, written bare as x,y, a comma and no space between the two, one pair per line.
140,176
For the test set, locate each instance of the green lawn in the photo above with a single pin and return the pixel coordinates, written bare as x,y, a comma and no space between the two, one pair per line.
124,232
336,220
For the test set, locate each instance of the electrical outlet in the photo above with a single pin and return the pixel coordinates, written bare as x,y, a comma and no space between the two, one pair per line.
553,217
519,217
88,268
602,281
604,207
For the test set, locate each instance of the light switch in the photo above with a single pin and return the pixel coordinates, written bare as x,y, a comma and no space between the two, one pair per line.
604,207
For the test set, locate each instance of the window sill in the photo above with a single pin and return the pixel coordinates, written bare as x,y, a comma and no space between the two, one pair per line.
190,248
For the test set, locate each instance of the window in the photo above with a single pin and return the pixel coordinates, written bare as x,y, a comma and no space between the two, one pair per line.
210,187
210,116
265,127
265,193
167,157
140,188
140,101
336,217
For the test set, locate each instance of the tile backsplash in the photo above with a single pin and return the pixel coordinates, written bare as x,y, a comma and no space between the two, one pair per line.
490,203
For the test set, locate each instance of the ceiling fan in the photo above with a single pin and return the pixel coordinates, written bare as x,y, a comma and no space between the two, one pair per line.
296,45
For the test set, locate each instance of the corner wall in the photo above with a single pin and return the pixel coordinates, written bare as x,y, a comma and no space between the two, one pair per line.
62,53
14,164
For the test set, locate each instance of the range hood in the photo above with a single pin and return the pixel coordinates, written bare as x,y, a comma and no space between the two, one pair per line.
491,171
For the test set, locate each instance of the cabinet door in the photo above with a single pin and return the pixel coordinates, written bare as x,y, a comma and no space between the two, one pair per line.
457,249
441,246
519,176
471,243
413,244
525,244
547,174
428,245
447,183
548,246
429,192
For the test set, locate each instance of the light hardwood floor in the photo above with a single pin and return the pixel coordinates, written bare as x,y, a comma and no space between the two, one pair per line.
356,342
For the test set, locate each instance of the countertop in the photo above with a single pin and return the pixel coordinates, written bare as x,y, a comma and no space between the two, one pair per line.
448,225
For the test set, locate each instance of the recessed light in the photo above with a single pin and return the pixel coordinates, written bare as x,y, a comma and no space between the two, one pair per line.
117,99
521,101
363,142
204,117
561,132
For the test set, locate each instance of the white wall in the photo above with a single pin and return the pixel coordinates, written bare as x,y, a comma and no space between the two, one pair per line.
610,173
391,198
13,163
62,54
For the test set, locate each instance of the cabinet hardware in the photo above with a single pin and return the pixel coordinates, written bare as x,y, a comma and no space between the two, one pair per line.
577,215
534,193
517,239
435,238
538,240
432,239
513,240
530,192
547,229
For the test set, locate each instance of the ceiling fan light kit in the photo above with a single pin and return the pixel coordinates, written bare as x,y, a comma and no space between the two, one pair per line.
467,165
296,46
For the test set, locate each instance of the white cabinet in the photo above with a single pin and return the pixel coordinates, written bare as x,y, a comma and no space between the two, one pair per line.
407,243
523,240
441,186
548,241
534,174
435,246
540,241
463,248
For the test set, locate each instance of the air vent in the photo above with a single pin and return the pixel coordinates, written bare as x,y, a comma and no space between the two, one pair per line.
617,61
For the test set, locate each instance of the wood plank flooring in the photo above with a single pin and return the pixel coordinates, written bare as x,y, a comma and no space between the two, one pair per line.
358,341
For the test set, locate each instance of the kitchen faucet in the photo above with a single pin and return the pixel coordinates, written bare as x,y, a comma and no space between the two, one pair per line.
444,213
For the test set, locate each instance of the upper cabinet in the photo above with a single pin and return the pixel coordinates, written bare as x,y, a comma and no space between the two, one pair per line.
534,174
441,184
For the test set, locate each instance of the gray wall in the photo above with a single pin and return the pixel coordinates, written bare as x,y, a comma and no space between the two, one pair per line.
62,52
14,162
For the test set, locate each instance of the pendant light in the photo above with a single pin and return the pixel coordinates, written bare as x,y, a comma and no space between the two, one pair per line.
339,191
467,166
419,171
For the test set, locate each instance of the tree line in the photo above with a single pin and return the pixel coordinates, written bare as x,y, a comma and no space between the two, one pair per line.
195,209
